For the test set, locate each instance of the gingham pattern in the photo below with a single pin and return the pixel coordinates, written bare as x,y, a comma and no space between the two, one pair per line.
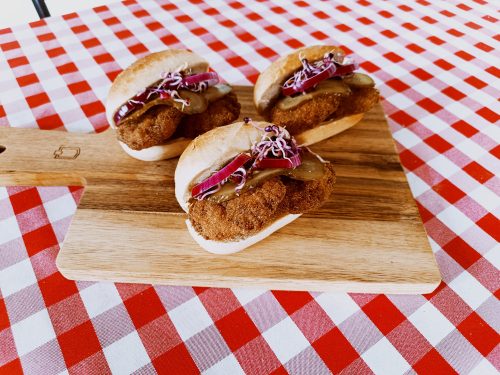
436,66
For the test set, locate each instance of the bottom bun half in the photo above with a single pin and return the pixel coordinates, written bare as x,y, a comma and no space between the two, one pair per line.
171,149
327,129
220,247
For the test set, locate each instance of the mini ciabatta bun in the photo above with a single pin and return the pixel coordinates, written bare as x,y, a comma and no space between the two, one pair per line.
141,74
268,86
229,247
209,151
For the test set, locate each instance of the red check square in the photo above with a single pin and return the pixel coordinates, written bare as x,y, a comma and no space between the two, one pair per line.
12,367
144,307
410,160
80,29
342,27
462,252
415,48
37,100
46,37
433,363
383,313
367,42
50,122
489,115
403,118
455,32
449,191
292,301
78,343
494,71
477,171
438,143
93,108
443,64
393,57
476,82
54,52
319,35
422,74
389,33
335,350
490,224
177,358
237,329
464,128
18,61
479,333
138,49
25,200
89,43
296,21
453,93
67,68
495,151
27,79
464,55
436,40
10,45
365,21
4,318
39,239
321,15
111,21
79,87
55,288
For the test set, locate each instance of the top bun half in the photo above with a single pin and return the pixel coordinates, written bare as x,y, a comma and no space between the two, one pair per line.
146,71
209,151
268,86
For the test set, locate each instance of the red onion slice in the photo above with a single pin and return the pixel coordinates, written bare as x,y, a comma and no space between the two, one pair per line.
344,70
211,78
136,102
312,74
310,82
171,82
291,162
220,175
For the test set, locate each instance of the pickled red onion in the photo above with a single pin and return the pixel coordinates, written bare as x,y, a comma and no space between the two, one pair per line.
276,149
167,88
220,176
211,78
311,74
291,162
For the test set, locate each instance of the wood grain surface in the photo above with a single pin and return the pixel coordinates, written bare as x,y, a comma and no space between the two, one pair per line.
129,227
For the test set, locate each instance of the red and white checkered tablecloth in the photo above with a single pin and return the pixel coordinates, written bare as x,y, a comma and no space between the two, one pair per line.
436,65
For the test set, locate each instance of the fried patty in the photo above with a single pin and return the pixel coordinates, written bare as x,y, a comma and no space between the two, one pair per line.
253,210
221,112
324,107
306,115
361,100
153,127
162,122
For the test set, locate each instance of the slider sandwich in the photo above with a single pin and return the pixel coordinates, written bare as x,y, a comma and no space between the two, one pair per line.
164,100
315,93
241,182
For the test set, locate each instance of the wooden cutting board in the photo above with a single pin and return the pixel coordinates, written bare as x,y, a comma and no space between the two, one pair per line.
129,227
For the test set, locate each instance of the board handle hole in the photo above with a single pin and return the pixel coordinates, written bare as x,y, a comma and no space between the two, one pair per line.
2,148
